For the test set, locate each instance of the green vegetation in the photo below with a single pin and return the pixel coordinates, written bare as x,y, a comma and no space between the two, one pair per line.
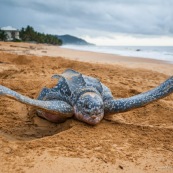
3,36
28,34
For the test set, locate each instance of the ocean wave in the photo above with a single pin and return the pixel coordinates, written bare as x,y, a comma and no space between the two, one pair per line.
164,53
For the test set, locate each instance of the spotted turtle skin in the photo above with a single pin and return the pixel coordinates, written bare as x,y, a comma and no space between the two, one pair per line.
84,93
85,98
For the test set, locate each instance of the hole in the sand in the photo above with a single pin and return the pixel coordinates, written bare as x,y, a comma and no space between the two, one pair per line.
33,128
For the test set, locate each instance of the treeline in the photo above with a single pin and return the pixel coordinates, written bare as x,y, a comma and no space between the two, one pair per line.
3,36
28,34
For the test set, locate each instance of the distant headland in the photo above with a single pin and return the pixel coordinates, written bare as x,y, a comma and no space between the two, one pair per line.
69,39
29,34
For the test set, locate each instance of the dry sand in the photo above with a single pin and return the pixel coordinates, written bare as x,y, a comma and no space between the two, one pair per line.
137,141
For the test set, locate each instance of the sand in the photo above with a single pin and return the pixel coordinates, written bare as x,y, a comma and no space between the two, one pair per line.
137,141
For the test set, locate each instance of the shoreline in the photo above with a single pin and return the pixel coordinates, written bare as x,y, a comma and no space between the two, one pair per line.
87,56
123,52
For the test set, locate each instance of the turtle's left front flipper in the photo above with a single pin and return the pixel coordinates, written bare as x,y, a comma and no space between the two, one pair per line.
54,106
125,104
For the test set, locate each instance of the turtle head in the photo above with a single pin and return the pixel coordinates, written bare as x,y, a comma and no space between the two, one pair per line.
89,108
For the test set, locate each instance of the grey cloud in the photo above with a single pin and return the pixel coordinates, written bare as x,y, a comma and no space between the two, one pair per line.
79,17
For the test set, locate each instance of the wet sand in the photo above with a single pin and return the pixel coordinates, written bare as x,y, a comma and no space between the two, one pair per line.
140,140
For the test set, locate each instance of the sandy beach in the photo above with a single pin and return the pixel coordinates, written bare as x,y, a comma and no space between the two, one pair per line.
137,141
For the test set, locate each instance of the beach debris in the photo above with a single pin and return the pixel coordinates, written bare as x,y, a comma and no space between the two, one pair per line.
121,167
85,98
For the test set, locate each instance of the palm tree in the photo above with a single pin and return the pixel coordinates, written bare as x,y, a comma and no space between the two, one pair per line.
3,35
29,34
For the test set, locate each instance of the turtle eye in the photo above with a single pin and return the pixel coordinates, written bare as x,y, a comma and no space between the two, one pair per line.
86,105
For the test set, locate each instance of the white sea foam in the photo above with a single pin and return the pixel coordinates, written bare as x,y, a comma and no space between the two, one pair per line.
153,52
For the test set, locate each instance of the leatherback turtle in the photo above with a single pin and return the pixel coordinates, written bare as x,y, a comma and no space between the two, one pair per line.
84,97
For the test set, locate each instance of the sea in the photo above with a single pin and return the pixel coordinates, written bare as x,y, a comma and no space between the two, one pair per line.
164,53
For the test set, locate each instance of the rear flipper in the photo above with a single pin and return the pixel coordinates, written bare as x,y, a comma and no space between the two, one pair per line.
125,104
54,107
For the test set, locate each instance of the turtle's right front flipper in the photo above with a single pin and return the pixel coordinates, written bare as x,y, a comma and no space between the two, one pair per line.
54,106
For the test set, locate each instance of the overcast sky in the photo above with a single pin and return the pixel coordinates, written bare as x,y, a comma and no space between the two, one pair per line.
110,22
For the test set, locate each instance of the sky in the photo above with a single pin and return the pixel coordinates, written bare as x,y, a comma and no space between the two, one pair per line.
102,22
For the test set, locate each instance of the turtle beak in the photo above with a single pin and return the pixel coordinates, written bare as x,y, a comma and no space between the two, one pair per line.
90,119
94,119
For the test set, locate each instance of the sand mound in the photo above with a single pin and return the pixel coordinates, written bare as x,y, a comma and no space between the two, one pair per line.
21,60
137,141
